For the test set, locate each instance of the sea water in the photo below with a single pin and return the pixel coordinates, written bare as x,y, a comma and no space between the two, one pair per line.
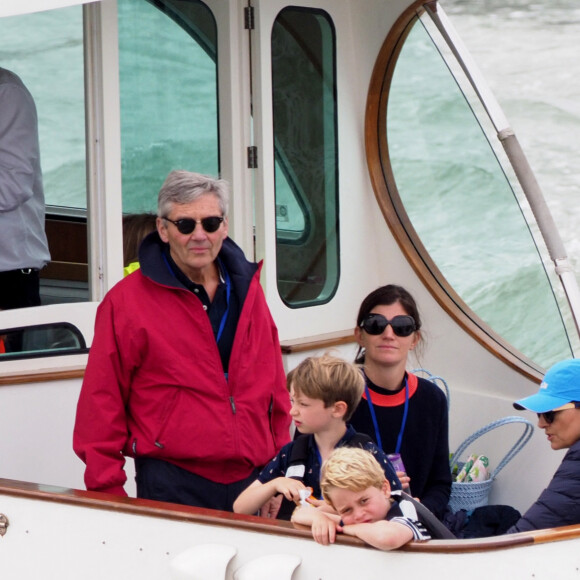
528,53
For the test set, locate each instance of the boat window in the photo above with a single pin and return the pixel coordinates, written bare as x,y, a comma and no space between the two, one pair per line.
168,83
457,211
42,340
46,50
306,156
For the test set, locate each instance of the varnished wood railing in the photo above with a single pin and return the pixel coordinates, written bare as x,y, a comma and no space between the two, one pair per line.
42,376
132,506
319,342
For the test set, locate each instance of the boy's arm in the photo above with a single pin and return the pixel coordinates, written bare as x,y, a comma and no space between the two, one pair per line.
258,493
383,535
324,524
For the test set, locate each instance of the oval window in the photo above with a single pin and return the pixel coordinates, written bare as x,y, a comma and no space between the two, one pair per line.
449,199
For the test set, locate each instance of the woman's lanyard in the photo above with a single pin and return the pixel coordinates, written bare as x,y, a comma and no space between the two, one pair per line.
374,417
226,276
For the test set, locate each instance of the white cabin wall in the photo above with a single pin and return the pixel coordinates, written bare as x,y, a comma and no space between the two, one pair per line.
265,13
38,418
483,387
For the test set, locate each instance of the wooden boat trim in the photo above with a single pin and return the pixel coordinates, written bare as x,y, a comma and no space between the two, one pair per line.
42,376
395,214
320,342
149,508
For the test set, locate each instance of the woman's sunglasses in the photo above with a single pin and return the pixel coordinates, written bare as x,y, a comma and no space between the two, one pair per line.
376,324
550,416
187,225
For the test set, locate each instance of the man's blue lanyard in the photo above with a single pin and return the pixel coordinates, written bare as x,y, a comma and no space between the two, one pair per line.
226,276
376,424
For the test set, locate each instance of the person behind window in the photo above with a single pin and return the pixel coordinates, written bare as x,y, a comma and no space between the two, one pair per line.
135,228
23,244
403,413
185,371
557,404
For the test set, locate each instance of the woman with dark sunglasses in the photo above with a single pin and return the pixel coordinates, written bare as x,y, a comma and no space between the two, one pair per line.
403,413
557,404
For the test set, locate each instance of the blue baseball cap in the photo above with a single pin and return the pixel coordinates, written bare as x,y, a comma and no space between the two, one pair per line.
561,385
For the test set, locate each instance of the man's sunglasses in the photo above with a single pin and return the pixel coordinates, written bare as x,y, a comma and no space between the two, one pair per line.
550,416
187,225
376,324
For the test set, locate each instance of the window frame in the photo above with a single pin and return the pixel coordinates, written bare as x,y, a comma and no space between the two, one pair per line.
394,212
325,222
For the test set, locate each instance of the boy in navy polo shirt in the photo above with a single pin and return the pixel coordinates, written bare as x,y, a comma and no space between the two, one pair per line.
359,503
324,392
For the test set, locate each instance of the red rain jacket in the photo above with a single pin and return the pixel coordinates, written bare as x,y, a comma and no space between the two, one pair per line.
154,384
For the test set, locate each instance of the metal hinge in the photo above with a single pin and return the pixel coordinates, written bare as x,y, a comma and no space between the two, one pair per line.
252,157
249,18
3,524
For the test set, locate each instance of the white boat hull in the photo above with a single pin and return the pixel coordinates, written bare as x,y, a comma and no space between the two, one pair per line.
61,535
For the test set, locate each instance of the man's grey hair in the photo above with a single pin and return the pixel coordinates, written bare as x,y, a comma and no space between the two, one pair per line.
182,187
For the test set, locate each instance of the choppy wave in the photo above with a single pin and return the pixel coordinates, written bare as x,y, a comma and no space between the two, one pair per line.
528,52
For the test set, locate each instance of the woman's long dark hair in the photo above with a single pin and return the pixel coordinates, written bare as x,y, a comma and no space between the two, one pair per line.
385,296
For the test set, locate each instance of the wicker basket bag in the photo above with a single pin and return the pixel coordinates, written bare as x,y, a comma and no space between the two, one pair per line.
473,494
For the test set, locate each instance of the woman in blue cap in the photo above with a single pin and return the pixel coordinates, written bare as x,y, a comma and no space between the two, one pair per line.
557,404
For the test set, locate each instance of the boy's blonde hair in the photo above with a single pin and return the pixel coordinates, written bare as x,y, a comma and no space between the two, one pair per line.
329,379
350,468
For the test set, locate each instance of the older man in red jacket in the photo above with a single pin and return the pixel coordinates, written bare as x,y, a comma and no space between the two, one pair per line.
185,372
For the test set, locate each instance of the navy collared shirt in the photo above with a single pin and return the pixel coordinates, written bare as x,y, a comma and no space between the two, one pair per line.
215,309
279,465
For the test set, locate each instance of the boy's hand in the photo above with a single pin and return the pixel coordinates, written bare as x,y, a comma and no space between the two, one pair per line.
315,502
271,508
324,528
289,488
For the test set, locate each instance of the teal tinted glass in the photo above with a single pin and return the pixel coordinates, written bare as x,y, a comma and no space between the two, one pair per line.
45,49
42,340
462,206
306,156
168,78
36,48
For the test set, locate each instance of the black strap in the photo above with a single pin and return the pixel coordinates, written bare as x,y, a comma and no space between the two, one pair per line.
299,454
435,527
